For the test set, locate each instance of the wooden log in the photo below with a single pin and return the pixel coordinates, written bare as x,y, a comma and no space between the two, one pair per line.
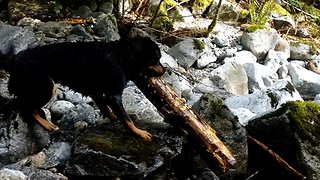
179,114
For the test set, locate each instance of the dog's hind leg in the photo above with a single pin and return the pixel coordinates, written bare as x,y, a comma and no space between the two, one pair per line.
104,108
115,103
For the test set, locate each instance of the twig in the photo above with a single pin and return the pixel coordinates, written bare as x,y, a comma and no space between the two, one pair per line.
281,161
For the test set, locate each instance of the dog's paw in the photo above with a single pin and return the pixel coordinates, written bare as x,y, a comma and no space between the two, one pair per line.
145,135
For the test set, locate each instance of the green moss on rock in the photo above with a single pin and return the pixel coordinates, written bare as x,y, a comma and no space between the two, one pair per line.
118,146
305,117
198,44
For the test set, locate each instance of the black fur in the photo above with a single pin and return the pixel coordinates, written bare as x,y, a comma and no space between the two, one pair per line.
97,69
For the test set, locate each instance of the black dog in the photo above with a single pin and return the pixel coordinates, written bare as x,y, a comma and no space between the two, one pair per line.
97,69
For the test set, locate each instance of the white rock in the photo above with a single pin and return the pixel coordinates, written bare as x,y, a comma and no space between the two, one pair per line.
60,107
262,101
167,61
259,76
260,42
232,77
301,51
9,174
185,52
275,59
242,57
305,81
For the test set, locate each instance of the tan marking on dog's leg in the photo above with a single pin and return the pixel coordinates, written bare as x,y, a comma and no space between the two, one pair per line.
110,114
145,135
47,125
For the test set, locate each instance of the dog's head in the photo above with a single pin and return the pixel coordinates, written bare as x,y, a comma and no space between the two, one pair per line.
144,57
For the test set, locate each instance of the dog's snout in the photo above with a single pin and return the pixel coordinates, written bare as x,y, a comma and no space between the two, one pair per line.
156,70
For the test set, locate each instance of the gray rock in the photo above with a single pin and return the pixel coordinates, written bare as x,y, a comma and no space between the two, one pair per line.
286,135
260,42
106,27
16,39
301,52
57,155
284,47
262,102
185,53
231,133
10,174
80,112
231,77
305,81
242,57
60,107
115,153
138,106
18,139
259,76
55,29
275,59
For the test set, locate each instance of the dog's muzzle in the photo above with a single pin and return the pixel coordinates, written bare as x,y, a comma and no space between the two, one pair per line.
155,70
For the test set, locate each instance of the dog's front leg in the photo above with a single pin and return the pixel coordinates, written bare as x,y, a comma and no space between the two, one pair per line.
47,125
115,103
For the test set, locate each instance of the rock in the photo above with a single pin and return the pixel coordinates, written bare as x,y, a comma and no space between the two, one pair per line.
80,31
260,42
82,11
262,102
138,106
259,76
242,57
178,82
55,29
231,77
106,27
231,133
28,22
284,47
57,155
19,139
231,11
275,59
301,51
185,52
291,132
16,38
80,126
224,53
9,174
64,93
80,112
167,61
305,81
60,107
107,151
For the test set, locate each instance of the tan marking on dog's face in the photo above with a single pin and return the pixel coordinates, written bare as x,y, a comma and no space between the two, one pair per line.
156,70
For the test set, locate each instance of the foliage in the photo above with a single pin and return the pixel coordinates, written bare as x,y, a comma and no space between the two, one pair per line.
260,14
305,118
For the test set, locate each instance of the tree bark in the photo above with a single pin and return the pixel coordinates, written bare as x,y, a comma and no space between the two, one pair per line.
179,114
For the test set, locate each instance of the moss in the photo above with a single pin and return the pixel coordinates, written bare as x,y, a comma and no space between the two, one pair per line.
244,14
280,10
163,23
200,5
119,146
198,44
305,118
254,27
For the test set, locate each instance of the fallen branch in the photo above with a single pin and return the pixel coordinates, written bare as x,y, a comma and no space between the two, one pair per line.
278,159
179,114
